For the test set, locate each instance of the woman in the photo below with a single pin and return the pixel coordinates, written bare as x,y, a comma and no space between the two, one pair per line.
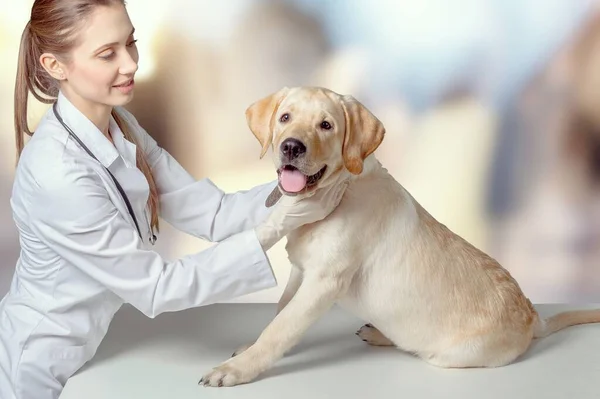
84,243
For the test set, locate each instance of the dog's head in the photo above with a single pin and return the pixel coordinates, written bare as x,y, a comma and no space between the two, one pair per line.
316,134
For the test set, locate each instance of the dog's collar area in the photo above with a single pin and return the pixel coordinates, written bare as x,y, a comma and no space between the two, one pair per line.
314,179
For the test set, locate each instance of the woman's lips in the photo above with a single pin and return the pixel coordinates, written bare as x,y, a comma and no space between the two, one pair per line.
125,87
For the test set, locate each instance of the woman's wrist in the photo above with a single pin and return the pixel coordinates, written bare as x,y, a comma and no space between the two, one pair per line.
268,235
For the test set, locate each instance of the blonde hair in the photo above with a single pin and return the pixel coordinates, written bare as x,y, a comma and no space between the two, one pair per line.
53,28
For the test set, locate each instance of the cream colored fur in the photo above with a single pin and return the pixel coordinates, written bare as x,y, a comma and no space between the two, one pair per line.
381,256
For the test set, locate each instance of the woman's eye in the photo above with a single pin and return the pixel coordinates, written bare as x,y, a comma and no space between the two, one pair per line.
107,55
284,117
325,125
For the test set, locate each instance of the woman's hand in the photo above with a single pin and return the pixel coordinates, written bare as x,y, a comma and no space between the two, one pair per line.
292,212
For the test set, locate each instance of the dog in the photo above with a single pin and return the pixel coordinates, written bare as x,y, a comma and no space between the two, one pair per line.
419,286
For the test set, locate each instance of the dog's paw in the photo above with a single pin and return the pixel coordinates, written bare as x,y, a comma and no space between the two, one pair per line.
373,336
241,349
226,375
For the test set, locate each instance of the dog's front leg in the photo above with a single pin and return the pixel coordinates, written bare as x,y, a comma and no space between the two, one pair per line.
292,286
316,294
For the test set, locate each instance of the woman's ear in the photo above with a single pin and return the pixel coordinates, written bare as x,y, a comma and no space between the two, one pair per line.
260,117
52,66
364,133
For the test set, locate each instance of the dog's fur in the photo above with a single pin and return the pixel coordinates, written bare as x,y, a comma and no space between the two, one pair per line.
380,255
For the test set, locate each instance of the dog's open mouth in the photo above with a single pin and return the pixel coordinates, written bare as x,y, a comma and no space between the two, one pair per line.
293,181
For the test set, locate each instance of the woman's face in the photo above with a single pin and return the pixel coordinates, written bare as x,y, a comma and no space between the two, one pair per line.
102,66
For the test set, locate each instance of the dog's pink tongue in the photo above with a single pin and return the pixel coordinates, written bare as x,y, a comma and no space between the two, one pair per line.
292,180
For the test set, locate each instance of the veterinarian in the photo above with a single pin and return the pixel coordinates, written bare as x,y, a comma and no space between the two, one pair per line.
89,188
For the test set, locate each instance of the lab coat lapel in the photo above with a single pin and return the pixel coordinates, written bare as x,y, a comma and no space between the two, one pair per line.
87,132
131,178
126,148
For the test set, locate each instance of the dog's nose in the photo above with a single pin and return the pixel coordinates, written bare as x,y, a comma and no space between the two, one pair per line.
292,148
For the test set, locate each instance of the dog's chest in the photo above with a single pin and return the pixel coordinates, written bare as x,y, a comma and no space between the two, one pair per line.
305,247
323,245
340,240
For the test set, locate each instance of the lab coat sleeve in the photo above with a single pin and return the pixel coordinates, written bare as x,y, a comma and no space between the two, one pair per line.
77,219
199,207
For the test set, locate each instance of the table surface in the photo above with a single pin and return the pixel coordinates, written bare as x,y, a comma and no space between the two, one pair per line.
166,356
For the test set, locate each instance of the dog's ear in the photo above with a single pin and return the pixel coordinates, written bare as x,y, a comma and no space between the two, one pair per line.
260,117
364,133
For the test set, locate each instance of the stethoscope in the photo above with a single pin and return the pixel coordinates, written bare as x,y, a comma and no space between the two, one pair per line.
152,238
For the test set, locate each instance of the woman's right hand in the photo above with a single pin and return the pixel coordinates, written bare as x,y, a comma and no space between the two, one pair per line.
292,212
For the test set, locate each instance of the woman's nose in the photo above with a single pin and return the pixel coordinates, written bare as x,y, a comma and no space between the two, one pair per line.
129,65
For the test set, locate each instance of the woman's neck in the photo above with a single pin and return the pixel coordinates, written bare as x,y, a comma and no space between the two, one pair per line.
98,114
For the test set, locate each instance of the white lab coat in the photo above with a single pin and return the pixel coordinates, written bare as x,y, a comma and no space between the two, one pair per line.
82,258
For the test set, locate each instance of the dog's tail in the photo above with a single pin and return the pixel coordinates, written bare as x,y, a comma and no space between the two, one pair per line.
545,327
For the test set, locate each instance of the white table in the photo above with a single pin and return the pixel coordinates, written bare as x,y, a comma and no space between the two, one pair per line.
165,357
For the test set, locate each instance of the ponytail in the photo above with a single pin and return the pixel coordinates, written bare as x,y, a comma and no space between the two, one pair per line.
30,78
144,166
22,87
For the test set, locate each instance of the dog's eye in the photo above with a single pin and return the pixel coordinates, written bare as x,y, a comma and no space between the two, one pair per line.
284,117
325,125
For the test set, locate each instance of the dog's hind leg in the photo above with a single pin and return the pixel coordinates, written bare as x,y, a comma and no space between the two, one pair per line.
373,336
494,350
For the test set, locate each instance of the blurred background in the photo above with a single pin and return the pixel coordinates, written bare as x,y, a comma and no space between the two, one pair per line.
492,111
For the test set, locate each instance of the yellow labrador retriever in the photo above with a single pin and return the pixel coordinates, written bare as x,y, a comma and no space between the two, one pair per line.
379,254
